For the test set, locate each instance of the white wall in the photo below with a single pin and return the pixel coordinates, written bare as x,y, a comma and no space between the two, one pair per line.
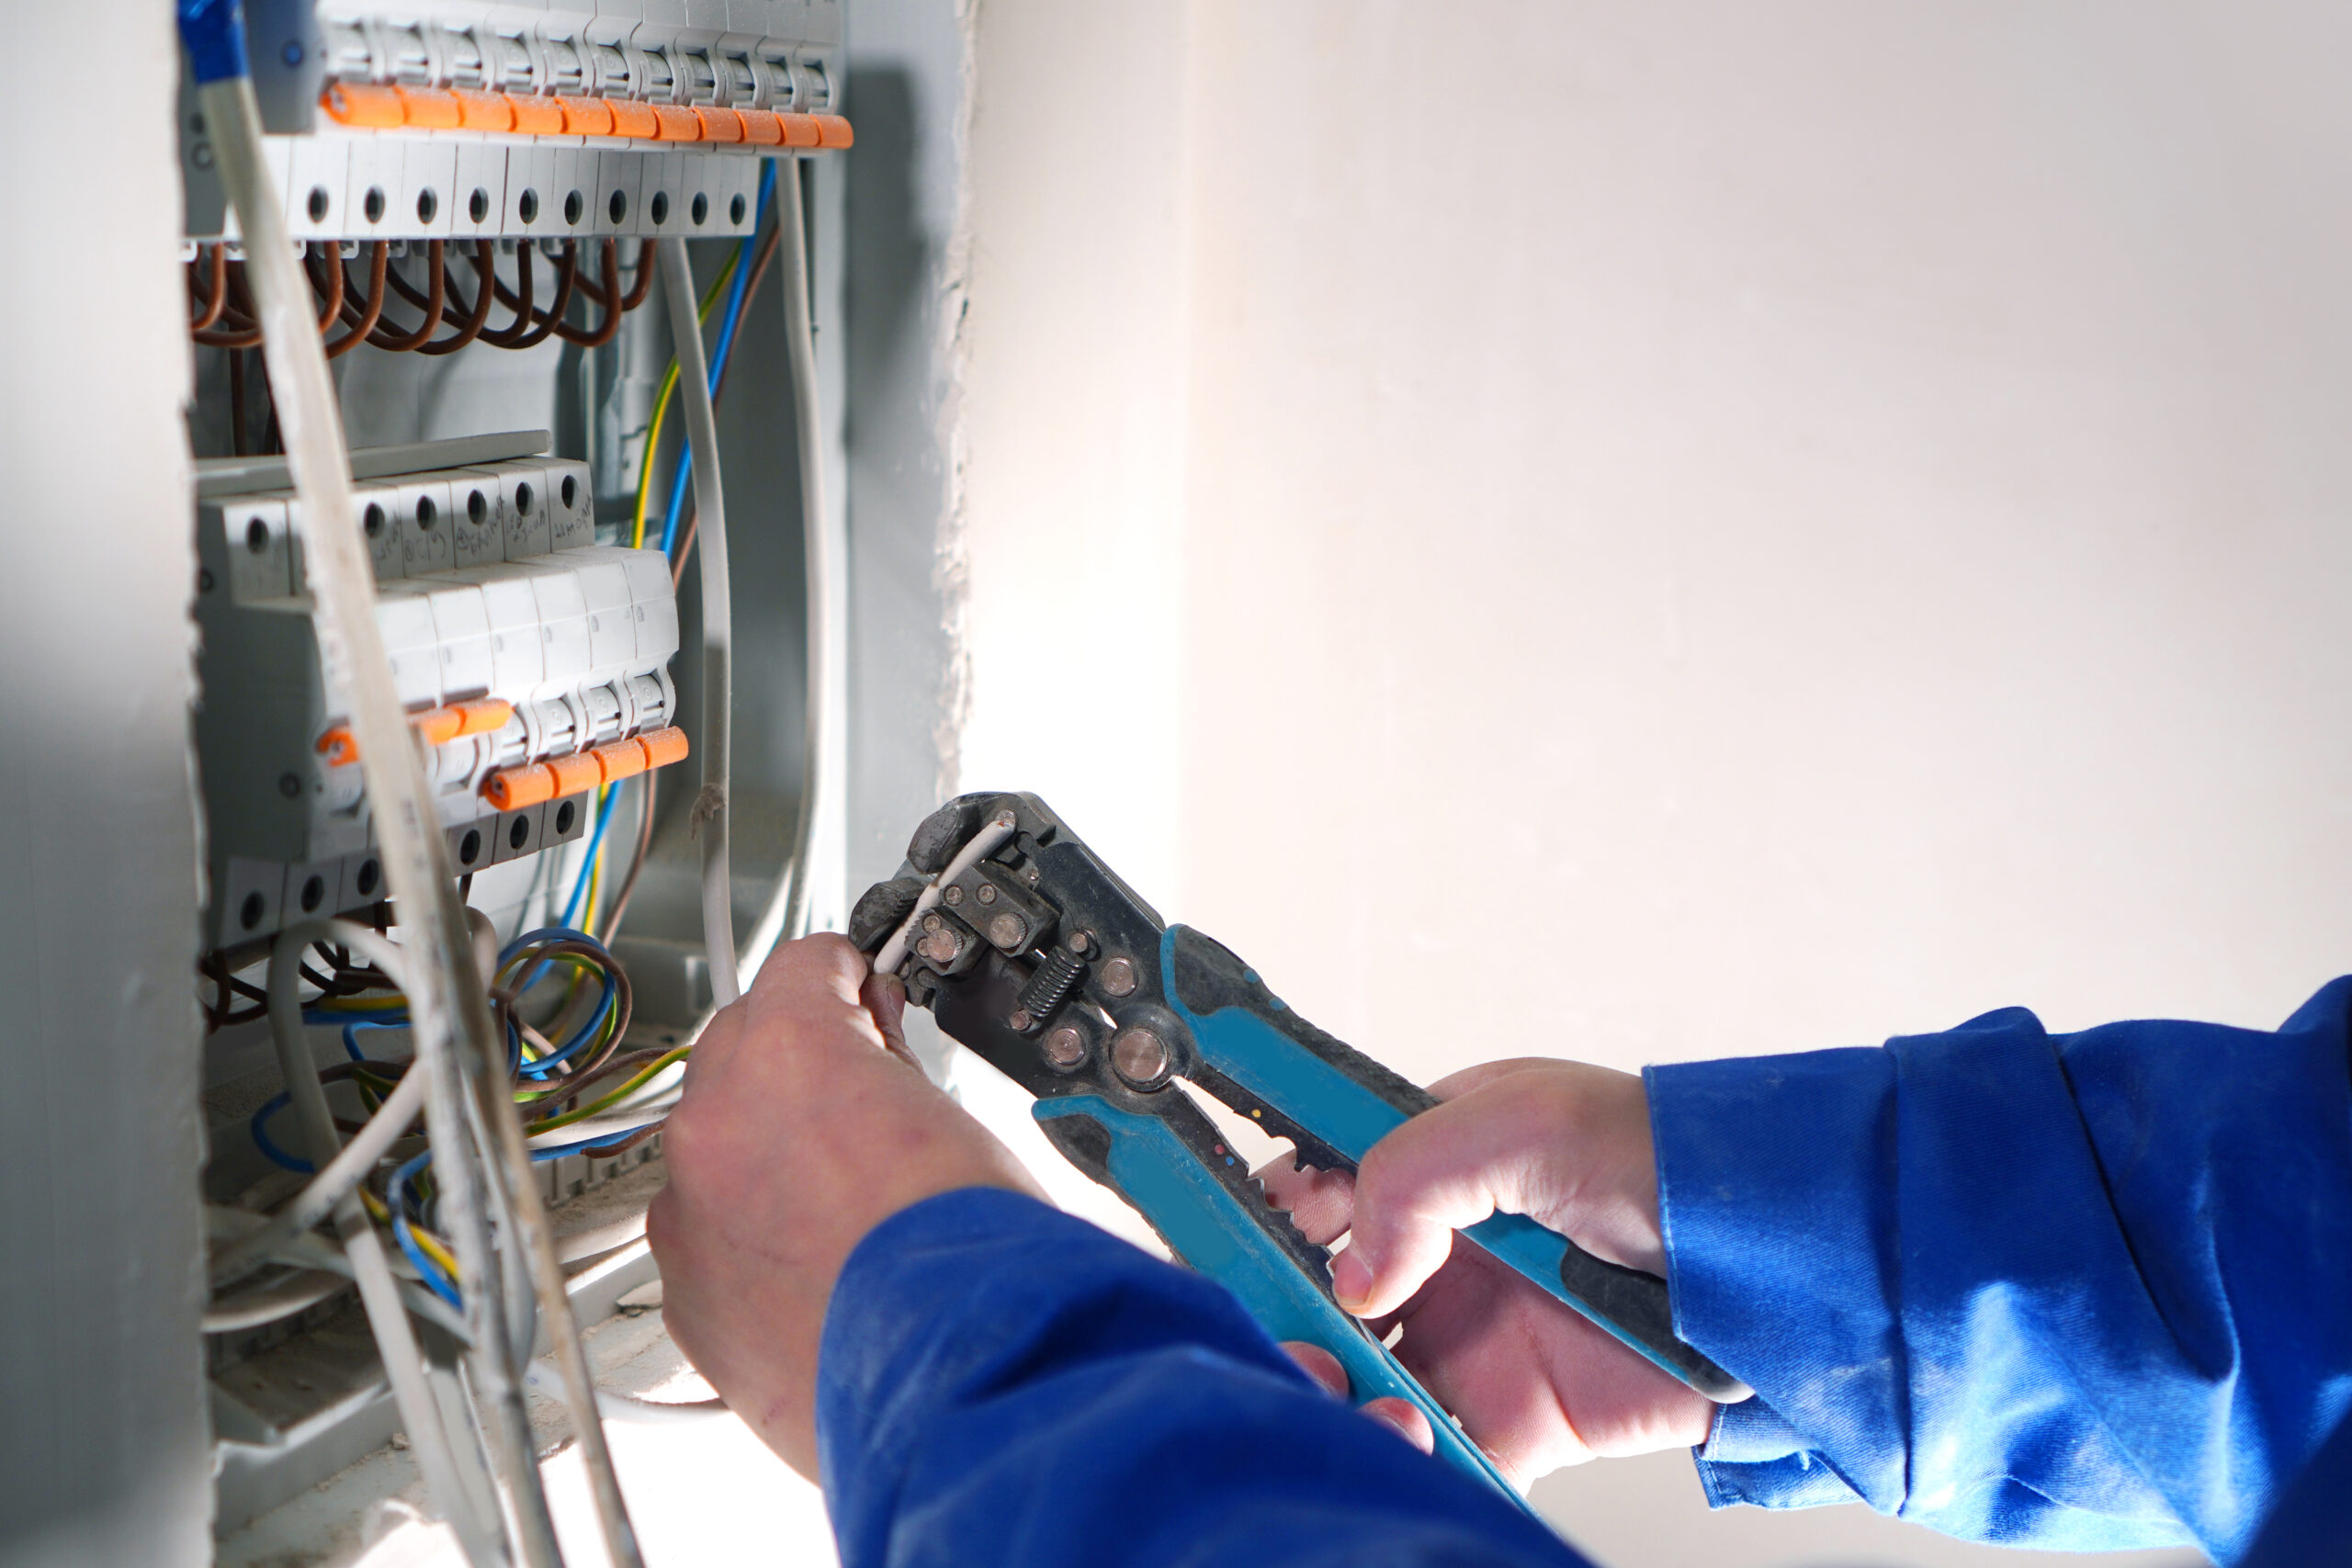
1689,529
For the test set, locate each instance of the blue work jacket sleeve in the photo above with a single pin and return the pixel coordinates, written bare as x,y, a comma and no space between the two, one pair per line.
1000,1384
2077,1290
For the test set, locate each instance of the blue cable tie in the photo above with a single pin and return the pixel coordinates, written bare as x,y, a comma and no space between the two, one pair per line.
214,32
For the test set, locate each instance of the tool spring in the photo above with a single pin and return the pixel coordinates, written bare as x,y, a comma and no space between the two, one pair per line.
1057,976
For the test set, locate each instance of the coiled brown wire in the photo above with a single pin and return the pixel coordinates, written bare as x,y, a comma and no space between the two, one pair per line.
225,317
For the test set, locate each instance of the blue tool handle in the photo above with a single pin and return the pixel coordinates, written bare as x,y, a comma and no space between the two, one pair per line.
1210,1226
1334,1101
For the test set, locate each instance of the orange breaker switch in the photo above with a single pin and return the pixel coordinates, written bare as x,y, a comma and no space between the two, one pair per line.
438,725
517,789
632,119
358,103
664,747
832,131
673,123
720,125
762,127
576,774
427,110
536,116
800,129
620,759
587,117
483,111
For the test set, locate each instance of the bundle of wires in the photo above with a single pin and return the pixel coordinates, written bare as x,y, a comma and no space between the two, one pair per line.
563,1004
739,281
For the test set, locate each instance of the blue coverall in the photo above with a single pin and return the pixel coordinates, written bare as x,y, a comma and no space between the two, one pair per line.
2086,1291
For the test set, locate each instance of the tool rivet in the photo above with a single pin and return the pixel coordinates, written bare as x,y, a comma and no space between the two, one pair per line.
1139,1057
1019,1018
930,922
988,893
953,895
939,947
1066,1047
1079,941
1008,931
1119,977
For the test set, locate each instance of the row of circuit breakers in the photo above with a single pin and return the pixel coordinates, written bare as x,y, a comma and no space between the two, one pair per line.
450,120
532,662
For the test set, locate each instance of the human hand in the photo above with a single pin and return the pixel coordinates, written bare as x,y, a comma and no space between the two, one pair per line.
804,1124
1563,1143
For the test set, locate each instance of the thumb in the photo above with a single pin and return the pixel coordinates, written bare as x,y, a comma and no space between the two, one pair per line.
1415,1188
885,997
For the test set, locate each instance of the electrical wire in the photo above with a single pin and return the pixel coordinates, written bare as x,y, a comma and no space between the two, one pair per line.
442,989
476,314
742,271
403,1363
711,809
825,552
363,320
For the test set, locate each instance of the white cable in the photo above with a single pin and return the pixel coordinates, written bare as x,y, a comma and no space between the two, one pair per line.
443,986
251,1309
370,1144
983,844
627,1407
824,564
710,807
310,1250
436,1458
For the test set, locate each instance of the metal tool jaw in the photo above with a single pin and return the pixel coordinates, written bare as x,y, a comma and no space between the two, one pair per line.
1031,951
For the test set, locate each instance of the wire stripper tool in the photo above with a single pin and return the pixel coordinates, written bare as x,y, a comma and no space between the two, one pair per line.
1030,951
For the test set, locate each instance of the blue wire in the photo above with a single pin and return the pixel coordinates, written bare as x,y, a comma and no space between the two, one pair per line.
351,1032
440,1284
580,888
719,356
558,1150
270,1150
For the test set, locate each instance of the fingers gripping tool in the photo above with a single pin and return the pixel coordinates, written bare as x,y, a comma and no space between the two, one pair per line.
1031,951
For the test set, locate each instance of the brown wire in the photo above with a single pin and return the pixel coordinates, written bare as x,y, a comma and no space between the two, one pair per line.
362,320
639,290
242,323
476,314
604,331
215,297
637,866
567,269
245,320
518,301
430,303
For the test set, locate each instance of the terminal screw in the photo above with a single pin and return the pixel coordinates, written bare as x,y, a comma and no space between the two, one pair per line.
1140,1057
1119,977
1066,1047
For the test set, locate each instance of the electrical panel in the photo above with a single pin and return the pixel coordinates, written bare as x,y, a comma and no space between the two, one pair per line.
535,660
455,121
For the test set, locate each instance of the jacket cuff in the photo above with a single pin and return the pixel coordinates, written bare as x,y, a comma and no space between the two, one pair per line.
1773,1172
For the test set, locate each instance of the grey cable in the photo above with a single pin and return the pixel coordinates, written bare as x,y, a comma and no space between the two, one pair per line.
403,1363
825,561
443,983
710,809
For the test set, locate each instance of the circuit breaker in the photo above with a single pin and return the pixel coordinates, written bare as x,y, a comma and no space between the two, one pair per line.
534,662
462,121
